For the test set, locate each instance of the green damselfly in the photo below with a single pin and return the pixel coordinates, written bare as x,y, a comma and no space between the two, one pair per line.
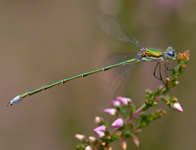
115,28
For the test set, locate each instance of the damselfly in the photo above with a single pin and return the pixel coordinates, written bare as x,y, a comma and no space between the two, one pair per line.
115,28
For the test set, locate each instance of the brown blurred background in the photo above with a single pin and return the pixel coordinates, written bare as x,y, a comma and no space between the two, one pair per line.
45,41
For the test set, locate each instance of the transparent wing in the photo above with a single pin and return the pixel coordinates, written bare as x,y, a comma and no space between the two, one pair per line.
118,57
114,27
115,86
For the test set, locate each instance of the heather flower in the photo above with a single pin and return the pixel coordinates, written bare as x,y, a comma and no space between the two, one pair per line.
89,148
108,148
135,140
118,123
124,145
101,128
167,80
123,108
123,100
177,107
80,137
97,120
110,111
115,103
92,139
100,131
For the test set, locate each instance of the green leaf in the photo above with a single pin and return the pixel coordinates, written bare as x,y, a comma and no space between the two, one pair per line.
114,137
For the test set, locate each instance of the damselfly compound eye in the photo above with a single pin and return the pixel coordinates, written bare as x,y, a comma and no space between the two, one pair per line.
171,53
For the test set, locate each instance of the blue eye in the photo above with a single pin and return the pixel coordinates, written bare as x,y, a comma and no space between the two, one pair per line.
171,53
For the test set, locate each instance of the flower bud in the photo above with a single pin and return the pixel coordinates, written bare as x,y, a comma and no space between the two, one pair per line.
80,137
135,140
103,144
99,133
115,103
160,87
88,148
180,56
97,120
110,111
123,100
183,66
118,123
108,148
167,80
174,99
177,107
101,128
124,145
92,139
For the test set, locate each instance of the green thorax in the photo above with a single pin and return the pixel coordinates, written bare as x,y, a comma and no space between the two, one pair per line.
150,52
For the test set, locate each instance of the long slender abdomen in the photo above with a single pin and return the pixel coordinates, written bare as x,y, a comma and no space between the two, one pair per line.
20,97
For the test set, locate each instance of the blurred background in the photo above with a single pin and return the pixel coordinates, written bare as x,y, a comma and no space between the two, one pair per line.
44,41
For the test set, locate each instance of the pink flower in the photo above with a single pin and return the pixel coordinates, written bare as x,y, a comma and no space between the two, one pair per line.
135,140
97,120
80,137
110,111
92,139
88,148
123,100
177,107
124,145
115,103
100,131
101,128
118,123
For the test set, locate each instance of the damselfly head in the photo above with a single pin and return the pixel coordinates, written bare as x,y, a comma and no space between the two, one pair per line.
170,53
